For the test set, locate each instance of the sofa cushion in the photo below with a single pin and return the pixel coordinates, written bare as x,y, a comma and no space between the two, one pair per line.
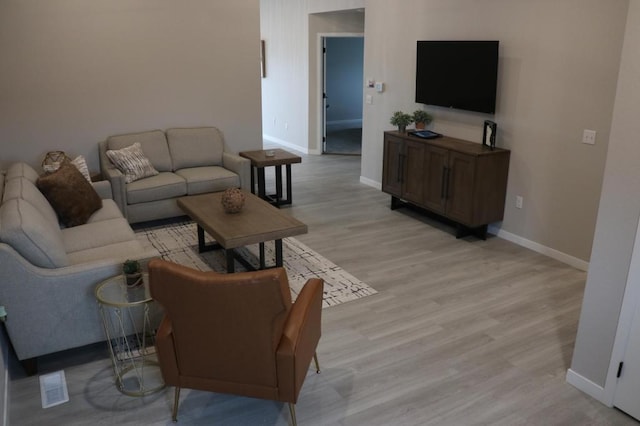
160,187
132,162
201,180
70,195
97,234
117,251
153,143
23,188
22,170
24,228
109,210
194,147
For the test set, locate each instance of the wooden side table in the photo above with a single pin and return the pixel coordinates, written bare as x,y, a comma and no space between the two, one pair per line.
261,159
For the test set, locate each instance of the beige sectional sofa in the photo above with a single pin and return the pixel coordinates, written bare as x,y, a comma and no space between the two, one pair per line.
189,161
48,273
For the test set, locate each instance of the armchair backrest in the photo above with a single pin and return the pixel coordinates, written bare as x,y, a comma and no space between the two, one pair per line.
226,327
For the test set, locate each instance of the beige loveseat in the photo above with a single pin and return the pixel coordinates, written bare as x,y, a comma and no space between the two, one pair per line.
48,273
189,161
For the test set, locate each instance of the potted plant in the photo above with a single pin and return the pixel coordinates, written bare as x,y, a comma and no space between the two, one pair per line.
132,272
421,118
401,119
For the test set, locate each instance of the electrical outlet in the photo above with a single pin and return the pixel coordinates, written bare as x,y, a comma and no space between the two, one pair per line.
589,137
519,201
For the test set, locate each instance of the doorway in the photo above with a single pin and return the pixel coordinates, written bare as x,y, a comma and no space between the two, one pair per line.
343,70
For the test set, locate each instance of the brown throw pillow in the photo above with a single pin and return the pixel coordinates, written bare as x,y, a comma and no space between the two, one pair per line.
70,195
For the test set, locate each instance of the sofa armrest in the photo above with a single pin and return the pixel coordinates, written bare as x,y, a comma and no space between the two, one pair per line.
115,178
240,166
299,340
51,309
103,188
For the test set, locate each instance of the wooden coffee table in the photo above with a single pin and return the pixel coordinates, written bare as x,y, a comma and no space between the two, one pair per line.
257,223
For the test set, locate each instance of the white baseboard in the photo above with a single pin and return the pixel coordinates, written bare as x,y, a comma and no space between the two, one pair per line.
370,182
539,248
532,245
587,386
302,149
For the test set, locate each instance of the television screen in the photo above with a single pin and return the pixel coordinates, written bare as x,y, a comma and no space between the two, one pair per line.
457,74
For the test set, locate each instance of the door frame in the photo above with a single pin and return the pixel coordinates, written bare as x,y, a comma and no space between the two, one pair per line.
320,89
630,303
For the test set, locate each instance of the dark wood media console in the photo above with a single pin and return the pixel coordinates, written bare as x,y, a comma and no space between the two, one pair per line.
462,181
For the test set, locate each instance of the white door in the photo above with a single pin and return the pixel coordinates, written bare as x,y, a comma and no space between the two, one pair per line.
627,391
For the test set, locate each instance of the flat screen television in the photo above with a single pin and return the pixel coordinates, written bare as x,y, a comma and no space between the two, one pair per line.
457,74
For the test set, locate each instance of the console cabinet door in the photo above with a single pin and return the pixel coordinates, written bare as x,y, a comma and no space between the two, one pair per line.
436,160
461,174
413,179
392,167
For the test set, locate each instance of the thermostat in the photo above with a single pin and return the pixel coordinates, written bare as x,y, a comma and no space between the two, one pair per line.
379,86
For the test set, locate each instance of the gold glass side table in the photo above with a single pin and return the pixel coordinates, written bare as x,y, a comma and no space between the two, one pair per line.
127,315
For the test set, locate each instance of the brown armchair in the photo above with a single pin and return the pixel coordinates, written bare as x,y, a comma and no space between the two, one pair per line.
235,333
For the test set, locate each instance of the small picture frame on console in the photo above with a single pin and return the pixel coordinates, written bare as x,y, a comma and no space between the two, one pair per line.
489,134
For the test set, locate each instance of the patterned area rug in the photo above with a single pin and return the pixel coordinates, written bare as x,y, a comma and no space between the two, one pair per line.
179,243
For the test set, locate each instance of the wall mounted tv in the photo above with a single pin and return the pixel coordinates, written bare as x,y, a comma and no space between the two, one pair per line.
457,74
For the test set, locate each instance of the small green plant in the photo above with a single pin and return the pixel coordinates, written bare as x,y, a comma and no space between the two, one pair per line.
422,116
131,266
401,119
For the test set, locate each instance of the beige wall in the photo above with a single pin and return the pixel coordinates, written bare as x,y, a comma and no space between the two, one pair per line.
74,72
617,220
558,68
559,63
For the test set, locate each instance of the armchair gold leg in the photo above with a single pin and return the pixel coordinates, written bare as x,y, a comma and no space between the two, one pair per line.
176,400
315,359
292,410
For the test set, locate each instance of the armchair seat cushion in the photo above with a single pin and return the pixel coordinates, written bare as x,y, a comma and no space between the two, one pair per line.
160,187
201,180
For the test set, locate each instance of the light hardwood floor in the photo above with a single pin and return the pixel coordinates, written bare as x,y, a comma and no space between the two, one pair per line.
462,332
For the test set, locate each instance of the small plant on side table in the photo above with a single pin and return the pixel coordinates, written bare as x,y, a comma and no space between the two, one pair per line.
132,272
421,118
401,119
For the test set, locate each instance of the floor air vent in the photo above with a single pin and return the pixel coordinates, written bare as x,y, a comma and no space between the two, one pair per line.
53,389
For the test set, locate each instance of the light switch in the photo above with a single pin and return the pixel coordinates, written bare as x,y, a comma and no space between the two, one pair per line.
369,99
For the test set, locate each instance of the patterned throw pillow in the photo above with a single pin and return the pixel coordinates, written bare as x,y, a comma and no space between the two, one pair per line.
132,162
81,164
